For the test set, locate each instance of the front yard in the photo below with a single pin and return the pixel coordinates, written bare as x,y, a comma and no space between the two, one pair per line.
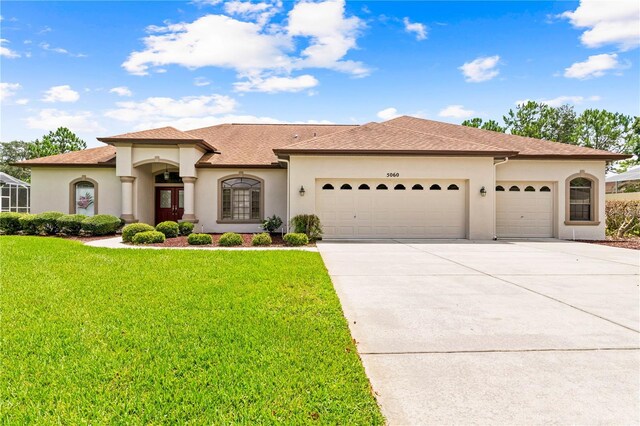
96,336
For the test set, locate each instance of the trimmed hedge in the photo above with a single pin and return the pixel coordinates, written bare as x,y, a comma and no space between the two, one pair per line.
70,224
169,228
308,224
199,239
296,239
27,224
148,237
134,228
100,224
10,223
186,228
229,239
46,223
263,239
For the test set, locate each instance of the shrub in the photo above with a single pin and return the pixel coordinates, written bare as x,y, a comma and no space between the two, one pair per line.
296,239
10,223
263,239
47,223
134,228
186,228
229,239
100,224
27,224
199,239
308,224
169,228
70,224
623,217
148,237
272,223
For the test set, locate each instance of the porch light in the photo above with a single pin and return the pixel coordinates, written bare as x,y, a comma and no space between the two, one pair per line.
302,191
166,174
483,192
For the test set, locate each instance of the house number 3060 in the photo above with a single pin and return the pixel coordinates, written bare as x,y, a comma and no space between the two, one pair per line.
393,174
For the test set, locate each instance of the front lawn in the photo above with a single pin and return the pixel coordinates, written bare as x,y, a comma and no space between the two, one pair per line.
94,336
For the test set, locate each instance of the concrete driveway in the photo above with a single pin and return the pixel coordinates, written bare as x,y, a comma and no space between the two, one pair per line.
458,332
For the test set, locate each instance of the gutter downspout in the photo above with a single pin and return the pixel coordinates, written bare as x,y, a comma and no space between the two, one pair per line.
495,196
288,191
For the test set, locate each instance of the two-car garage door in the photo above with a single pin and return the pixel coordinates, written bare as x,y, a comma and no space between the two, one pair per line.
391,208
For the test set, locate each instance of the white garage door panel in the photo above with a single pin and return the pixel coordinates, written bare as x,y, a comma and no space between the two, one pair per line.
391,213
524,214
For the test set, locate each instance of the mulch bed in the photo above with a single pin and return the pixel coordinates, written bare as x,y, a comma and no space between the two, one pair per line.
246,238
630,243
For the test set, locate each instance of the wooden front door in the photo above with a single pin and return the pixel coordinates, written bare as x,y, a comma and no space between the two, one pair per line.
169,204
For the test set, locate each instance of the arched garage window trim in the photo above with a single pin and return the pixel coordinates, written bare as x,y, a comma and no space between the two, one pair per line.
582,189
240,199
74,186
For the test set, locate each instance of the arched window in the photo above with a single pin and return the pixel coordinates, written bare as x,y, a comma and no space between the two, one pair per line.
499,188
417,187
399,187
364,186
435,187
327,186
382,186
529,189
580,199
545,189
345,186
452,187
241,199
85,198
514,188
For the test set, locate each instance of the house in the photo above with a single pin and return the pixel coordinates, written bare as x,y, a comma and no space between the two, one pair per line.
403,178
623,186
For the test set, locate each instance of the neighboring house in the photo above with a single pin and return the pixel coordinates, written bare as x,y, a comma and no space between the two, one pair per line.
624,186
14,194
404,178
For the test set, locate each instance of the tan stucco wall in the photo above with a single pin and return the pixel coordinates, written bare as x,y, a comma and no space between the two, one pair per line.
478,172
50,188
557,171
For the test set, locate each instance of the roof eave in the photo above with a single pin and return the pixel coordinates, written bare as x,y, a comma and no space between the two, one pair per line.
439,153
608,157
199,142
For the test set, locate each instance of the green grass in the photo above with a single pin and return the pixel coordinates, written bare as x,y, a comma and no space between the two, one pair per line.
95,336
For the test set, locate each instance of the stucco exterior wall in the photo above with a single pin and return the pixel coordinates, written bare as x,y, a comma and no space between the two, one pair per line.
557,171
477,171
50,188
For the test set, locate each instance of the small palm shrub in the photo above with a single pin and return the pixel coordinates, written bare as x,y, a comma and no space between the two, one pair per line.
148,237
229,239
47,223
296,239
263,239
169,228
134,228
70,224
10,223
185,228
27,224
308,224
100,224
199,239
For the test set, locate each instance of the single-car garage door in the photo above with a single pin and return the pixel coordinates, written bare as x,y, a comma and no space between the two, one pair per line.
391,208
524,209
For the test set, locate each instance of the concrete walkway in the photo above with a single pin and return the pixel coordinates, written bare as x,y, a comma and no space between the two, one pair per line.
459,332
116,243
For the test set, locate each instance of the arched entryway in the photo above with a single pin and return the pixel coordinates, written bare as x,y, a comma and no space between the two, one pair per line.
169,196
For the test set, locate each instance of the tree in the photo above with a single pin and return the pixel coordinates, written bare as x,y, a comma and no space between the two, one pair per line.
487,125
541,121
59,142
12,152
610,131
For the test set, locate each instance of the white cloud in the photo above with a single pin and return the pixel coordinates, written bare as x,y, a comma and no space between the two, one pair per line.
201,82
415,27
456,111
61,94
277,84
121,91
49,119
8,90
562,100
6,52
480,69
49,48
22,101
594,66
388,113
261,12
608,22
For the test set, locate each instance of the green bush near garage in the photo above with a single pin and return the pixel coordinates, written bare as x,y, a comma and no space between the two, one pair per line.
296,239
10,223
148,237
100,224
199,239
132,229
263,239
186,228
169,228
230,239
308,224
70,224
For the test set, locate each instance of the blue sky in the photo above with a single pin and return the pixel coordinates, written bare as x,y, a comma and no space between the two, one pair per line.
104,68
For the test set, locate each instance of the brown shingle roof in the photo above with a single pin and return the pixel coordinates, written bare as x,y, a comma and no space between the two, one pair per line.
526,147
102,156
162,135
253,144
